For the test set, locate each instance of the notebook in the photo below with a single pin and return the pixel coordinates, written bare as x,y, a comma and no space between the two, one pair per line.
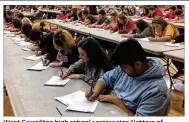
38,67
77,102
25,49
34,57
144,39
57,81
17,39
172,45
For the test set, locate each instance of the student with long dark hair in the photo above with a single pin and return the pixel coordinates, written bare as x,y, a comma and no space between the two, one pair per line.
93,63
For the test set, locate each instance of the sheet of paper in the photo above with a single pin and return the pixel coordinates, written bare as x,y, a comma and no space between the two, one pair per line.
22,43
78,102
17,39
7,32
33,57
11,35
57,81
172,45
25,49
38,67
144,39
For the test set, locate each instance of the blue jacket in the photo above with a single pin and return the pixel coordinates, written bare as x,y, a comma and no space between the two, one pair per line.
144,95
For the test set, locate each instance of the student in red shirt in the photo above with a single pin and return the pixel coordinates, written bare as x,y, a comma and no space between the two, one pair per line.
171,13
62,16
125,24
154,12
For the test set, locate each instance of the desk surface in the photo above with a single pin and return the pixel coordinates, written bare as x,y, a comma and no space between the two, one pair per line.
177,55
50,11
156,48
29,97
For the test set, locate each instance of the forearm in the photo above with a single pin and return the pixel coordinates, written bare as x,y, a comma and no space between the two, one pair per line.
163,39
119,103
99,86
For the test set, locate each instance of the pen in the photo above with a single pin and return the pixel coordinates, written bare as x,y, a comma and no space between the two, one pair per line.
58,111
91,90
41,59
61,70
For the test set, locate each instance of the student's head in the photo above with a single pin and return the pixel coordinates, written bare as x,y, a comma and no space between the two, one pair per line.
26,20
178,12
101,14
17,23
159,24
141,24
9,14
80,15
126,11
85,13
114,16
63,40
133,10
145,11
91,51
151,10
122,19
130,56
35,35
172,9
68,12
20,16
26,29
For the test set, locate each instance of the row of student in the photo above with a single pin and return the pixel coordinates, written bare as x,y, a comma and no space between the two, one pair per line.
159,31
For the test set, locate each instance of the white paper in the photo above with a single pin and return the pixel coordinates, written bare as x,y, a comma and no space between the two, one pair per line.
33,57
7,32
22,43
11,35
144,39
25,49
38,67
57,81
78,102
172,45
17,39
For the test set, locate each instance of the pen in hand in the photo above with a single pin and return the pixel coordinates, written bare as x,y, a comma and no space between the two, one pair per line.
61,70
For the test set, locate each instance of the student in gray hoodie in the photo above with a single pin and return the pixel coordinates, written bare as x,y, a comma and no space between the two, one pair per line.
137,82
93,63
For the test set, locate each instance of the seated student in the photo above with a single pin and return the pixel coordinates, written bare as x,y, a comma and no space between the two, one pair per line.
137,82
71,16
26,29
179,16
62,16
126,11
113,26
125,24
40,26
145,12
134,12
24,21
17,24
153,12
90,19
9,17
163,31
44,42
93,63
64,51
143,29
19,16
80,17
171,13
102,21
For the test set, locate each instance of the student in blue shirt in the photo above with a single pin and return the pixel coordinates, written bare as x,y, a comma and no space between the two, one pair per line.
137,82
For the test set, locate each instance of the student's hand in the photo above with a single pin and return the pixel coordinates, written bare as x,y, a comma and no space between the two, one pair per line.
64,75
74,76
152,39
91,26
54,65
44,33
90,96
127,35
46,62
106,98
172,41
34,48
38,53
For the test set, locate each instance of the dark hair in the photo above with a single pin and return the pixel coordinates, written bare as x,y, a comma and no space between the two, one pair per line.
147,11
9,13
128,52
173,8
80,14
35,34
42,24
141,24
160,20
17,23
179,7
26,29
59,38
95,52
178,12
132,14
151,8
102,12
68,11
20,15
85,12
